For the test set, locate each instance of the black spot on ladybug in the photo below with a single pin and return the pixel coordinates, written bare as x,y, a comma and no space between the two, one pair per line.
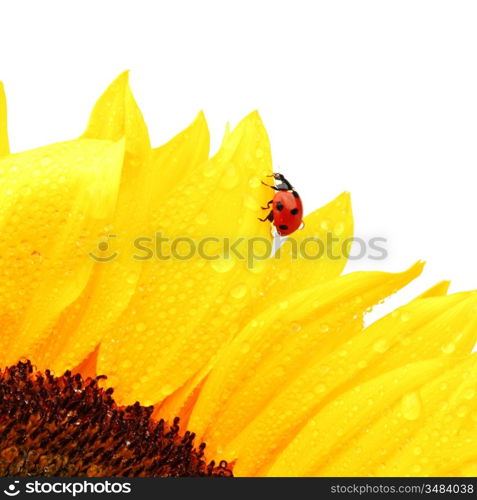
283,227
295,194
294,211
279,206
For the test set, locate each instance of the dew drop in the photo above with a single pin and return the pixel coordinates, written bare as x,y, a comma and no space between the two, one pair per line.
320,389
323,369
245,348
126,364
223,265
462,411
339,229
230,178
469,393
284,274
411,406
324,224
202,218
254,182
258,266
209,171
417,469
239,291
448,348
295,327
45,161
381,346
251,203
405,317
166,389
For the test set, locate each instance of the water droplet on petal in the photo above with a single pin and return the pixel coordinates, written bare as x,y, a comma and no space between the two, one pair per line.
239,291
223,265
325,225
245,348
417,469
405,317
448,348
320,388
258,266
381,346
202,218
469,393
45,161
254,182
126,364
251,203
339,229
462,411
230,177
295,327
411,406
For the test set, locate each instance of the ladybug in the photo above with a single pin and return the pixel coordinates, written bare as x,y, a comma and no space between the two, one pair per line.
287,209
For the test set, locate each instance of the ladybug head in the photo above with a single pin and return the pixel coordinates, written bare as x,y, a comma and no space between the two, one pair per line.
283,184
278,177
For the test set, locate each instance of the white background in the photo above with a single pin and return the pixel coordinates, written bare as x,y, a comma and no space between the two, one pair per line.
375,97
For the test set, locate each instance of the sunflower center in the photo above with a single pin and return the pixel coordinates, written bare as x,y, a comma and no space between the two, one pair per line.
67,426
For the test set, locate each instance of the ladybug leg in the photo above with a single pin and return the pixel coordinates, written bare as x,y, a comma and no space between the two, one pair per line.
268,205
268,185
269,217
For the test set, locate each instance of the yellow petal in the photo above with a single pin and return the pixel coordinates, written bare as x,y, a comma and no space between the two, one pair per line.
273,349
418,331
378,428
445,403
4,147
53,202
437,326
114,278
459,452
274,272
176,159
437,290
181,402
189,308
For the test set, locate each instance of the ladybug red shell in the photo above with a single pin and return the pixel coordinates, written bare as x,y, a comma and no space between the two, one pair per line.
287,209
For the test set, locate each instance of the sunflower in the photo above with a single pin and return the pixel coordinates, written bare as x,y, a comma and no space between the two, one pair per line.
225,364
